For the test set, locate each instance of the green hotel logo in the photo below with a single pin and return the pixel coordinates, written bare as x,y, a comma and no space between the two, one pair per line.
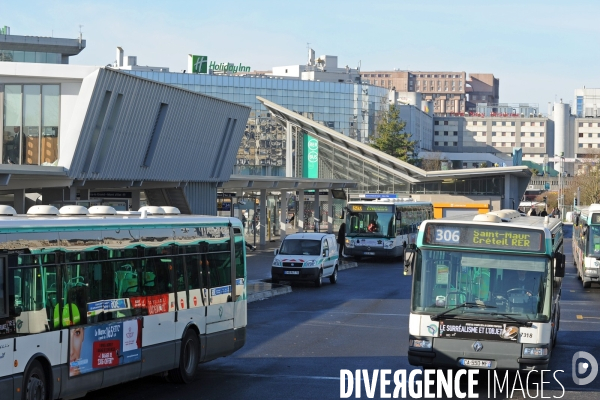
199,64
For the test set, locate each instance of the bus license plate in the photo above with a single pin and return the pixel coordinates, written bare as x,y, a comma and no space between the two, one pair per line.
291,272
476,363
369,253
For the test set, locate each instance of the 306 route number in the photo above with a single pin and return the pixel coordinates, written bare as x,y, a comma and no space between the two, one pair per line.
447,235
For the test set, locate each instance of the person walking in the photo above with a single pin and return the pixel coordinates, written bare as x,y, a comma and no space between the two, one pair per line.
341,239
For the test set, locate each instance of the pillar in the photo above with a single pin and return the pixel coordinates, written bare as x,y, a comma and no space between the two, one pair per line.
263,218
300,215
317,207
329,212
19,201
135,200
285,196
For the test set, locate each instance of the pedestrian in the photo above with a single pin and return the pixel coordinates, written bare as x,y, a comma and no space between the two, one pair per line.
341,239
543,213
244,220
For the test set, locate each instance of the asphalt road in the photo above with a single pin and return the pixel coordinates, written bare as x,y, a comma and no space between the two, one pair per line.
298,343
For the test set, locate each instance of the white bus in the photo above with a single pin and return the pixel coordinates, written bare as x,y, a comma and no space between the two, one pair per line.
383,227
485,291
90,299
586,244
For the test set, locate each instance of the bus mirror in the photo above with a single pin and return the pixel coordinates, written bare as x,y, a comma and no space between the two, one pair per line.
276,251
343,215
409,259
559,270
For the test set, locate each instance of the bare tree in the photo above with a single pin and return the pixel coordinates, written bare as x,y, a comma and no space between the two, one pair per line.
433,162
587,180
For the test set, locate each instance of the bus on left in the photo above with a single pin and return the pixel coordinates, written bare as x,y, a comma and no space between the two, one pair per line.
93,298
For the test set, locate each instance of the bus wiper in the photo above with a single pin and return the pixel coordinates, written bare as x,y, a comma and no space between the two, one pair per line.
463,305
518,321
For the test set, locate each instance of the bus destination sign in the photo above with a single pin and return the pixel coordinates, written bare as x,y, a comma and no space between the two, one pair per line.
484,237
370,208
595,218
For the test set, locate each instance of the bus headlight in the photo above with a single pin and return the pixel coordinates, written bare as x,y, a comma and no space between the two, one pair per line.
277,263
419,343
349,243
388,244
535,351
310,263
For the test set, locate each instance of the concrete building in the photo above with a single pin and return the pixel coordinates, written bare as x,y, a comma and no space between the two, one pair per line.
324,69
38,49
418,116
77,133
450,92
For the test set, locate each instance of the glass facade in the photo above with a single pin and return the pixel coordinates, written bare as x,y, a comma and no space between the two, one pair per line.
30,56
347,108
30,126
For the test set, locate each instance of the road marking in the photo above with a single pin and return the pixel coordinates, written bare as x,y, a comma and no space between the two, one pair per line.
582,317
338,312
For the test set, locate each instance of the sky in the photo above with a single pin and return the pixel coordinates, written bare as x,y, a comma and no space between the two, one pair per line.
540,50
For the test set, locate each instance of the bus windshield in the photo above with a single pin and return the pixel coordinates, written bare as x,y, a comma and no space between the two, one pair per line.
514,285
370,224
594,241
307,247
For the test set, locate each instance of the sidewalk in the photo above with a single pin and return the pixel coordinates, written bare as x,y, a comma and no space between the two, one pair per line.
258,268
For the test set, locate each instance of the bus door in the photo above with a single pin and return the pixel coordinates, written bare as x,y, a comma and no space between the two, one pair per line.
7,327
192,297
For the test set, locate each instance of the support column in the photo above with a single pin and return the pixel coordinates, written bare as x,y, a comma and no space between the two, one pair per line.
288,150
300,215
135,200
317,208
19,201
263,218
329,212
285,196
70,193
84,194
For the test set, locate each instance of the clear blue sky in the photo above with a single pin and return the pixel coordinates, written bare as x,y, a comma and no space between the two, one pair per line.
540,50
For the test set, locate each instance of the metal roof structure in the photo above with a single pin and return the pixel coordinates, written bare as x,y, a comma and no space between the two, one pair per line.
279,183
404,170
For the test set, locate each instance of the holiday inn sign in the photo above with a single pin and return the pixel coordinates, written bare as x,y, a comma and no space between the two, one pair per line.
201,65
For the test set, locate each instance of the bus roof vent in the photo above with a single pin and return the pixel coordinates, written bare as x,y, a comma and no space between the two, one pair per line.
73,210
7,210
42,210
489,217
153,210
506,215
594,207
171,210
102,210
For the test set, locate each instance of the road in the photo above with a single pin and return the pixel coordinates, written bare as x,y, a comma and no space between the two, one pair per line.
298,343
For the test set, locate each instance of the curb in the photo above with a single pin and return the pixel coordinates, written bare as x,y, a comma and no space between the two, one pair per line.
265,294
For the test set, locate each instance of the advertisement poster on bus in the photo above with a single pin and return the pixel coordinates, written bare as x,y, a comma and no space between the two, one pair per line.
477,330
92,348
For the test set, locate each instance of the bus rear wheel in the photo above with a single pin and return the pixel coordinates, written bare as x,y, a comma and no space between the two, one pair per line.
188,361
35,383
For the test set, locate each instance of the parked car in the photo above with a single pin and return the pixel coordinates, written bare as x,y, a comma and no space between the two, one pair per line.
308,257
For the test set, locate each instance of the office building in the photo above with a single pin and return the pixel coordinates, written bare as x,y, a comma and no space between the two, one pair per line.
451,92
38,49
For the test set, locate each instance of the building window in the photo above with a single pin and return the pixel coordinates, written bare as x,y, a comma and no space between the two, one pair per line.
483,133
503,123
512,144
512,123
445,143
437,143
493,133
436,133
589,135
455,133
581,124
493,123
541,134
503,133
475,123
580,134
436,122
512,134
532,134
580,144
590,145
31,117
484,123
541,144
522,134
503,144
445,133
541,124
445,122
522,123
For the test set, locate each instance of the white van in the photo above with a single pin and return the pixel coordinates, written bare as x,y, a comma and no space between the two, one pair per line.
306,257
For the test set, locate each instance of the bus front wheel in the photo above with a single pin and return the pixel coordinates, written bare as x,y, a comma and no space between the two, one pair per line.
35,383
188,361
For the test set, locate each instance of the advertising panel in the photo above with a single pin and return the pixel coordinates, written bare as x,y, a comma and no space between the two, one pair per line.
478,330
92,348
